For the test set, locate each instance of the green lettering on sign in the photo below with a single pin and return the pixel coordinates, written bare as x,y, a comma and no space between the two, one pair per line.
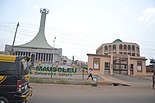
54,69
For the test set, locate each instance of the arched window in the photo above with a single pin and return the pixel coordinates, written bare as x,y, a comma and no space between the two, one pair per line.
129,47
114,47
125,47
133,47
120,46
105,48
137,49
109,47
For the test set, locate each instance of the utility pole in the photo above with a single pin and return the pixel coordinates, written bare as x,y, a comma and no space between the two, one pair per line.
12,50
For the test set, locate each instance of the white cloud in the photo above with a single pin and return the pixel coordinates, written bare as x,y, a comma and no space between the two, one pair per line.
125,9
148,16
36,7
29,1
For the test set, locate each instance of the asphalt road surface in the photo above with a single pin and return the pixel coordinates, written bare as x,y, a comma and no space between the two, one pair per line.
55,93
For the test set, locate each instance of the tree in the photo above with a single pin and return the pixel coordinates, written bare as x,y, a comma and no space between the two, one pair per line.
152,62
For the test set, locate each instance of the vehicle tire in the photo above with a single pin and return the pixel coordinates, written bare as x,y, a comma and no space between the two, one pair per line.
24,102
3,100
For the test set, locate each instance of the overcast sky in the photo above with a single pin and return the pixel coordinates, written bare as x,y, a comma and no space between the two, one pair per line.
80,26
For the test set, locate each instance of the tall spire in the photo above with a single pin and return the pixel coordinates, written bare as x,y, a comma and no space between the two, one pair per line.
43,12
39,41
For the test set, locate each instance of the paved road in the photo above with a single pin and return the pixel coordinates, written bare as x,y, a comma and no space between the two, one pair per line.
55,93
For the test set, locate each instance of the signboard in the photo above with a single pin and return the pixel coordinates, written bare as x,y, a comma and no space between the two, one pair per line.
96,63
46,70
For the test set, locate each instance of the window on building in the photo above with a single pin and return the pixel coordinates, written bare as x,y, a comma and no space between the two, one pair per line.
137,49
133,54
133,48
105,48
109,47
107,65
120,46
139,66
96,63
129,47
114,47
125,47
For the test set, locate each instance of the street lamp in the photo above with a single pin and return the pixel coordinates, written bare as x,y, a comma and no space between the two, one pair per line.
53,55
12,51
53,49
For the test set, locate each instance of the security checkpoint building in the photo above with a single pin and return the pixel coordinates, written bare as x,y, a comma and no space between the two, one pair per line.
117,57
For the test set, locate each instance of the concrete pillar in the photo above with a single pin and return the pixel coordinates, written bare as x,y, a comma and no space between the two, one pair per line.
111,65
47,57
117,49
128,64
38,57
102,66
144,68
135,69
44,57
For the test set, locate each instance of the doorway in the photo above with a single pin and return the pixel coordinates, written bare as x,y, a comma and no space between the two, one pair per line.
107,68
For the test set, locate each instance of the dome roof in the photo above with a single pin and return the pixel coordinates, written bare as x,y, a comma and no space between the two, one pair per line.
118,40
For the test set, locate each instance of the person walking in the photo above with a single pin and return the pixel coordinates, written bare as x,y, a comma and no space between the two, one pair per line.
153,79
90,73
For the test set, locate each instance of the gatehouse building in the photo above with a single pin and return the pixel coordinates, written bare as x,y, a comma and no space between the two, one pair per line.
117,57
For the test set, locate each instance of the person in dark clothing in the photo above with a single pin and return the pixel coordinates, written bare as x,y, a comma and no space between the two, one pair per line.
90,73
153,79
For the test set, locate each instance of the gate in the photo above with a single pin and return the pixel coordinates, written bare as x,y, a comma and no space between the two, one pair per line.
120,65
